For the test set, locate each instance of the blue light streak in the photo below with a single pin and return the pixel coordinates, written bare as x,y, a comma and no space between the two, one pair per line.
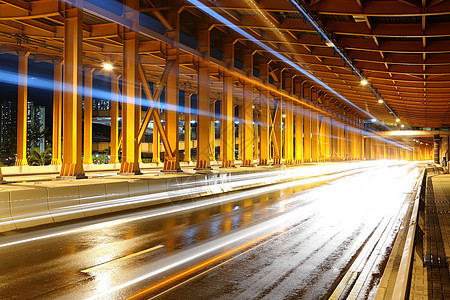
278,55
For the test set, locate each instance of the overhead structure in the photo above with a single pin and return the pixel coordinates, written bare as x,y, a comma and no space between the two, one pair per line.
296,81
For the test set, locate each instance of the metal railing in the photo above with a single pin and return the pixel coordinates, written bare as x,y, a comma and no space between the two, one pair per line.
401,287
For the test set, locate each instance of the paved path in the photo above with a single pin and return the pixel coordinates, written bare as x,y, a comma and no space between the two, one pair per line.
430,274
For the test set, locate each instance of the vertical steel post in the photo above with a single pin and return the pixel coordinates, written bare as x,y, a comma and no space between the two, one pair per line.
130,160
72,110
247,110
187,126
22,109
115,99
87,145
57,111
298,134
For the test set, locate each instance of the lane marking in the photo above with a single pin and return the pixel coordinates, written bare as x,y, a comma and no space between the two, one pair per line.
121,258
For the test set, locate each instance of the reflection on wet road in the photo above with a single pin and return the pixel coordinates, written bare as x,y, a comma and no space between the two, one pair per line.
290,240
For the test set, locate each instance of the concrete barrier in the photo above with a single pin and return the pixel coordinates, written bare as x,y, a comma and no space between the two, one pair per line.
91,194
56,201
61,200
6,221
29,207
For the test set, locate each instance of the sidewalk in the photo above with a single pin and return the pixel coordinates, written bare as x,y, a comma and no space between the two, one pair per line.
430,272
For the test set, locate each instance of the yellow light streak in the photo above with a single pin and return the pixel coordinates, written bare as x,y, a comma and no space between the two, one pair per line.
200,266
120,259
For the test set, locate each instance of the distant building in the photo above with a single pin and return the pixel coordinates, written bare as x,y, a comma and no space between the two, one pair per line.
101,104
35,126
7,119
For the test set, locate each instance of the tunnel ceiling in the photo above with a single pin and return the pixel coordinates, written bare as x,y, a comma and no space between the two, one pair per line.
401,47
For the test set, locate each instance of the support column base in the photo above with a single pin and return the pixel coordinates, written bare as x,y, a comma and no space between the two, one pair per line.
56,161
247,163
171,166
129,168
21,162
203,167
72,171
227,164
263,162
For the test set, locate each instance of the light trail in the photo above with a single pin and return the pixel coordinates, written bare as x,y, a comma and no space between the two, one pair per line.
275,53
202,265
88,270
348,212
203,187
205,203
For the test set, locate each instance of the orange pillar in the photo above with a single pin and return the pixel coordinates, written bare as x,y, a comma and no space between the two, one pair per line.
314,136
115,99
307,135
298,134
277,138
130,159
172,160
72,109
87,146
57,110
264,145
227,109
212,130
289,133
187,126
226,127
247,112
22,109
156,149
203,158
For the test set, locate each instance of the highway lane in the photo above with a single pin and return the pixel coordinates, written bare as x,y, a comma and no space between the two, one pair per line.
288,240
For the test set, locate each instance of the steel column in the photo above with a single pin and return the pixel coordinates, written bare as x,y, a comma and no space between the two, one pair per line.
289,133
130,152
87,134
307,135
298,134
277,127
57,111
171,160
187,126
314,136
115,99
436,146
22,109
203,158
156,143
72,110
226,126
264,157
247,111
